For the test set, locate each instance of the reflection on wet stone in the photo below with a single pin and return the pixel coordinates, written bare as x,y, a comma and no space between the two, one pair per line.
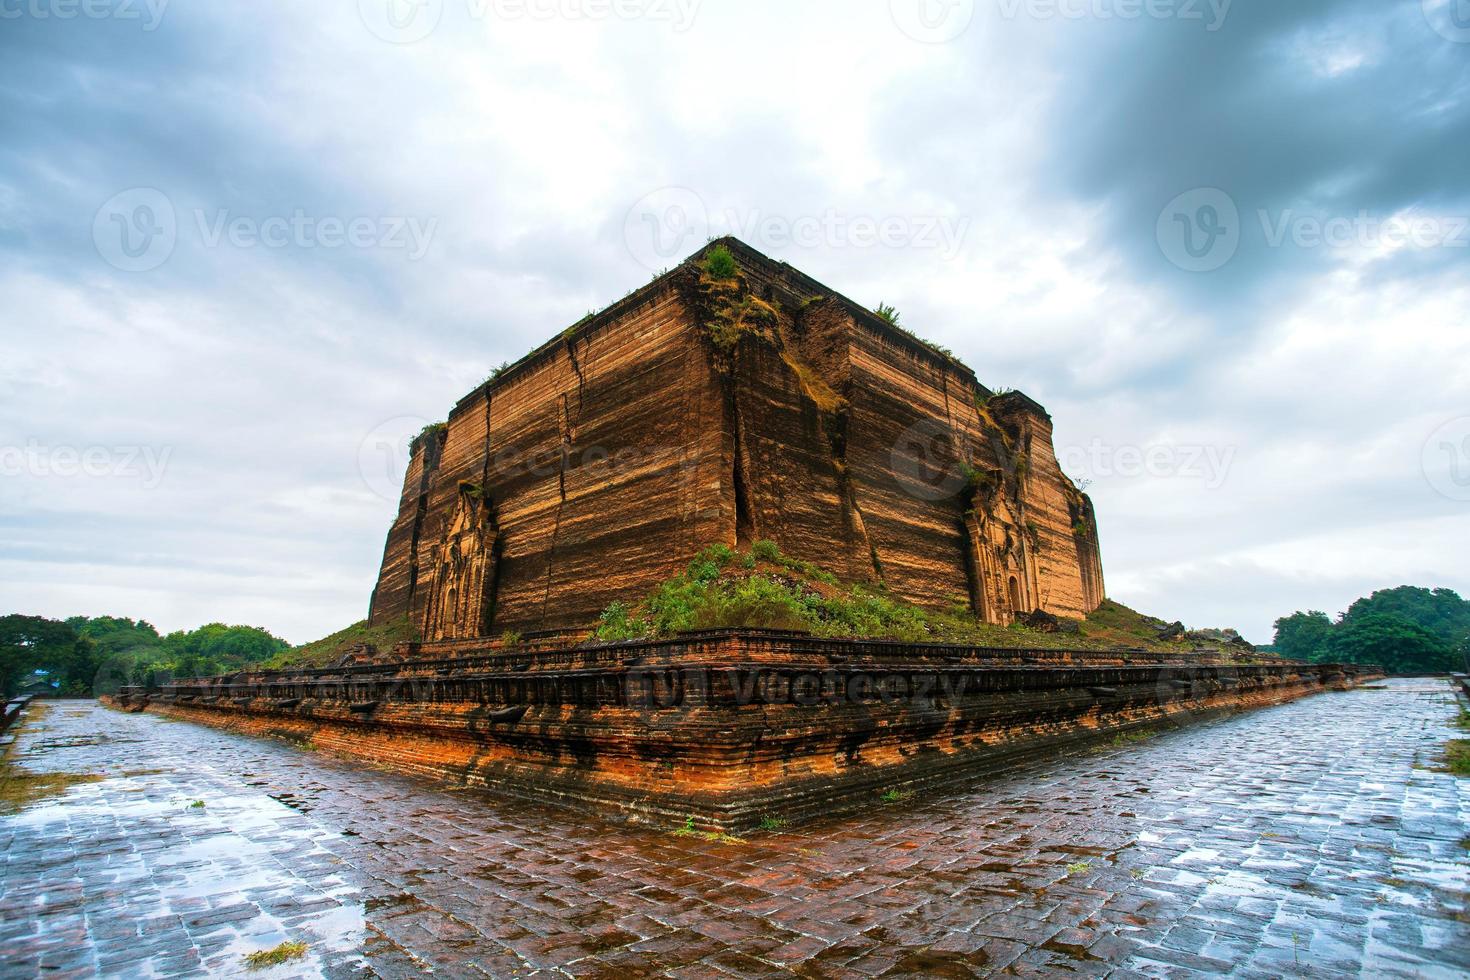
1316,838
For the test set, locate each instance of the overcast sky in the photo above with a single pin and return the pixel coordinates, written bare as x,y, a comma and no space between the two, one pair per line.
246,247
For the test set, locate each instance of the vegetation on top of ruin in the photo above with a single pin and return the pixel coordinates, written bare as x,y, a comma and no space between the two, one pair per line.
730,310
762,588
719,264
890,316
433,428
320,653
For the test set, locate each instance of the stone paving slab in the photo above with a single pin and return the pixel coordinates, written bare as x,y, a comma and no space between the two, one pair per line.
1315,839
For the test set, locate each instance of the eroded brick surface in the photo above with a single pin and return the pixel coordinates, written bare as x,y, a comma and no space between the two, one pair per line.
1310,839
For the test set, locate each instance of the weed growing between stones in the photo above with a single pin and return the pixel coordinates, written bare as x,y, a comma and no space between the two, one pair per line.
1127,738
770,823
1079,867
895,795
689,830
284,953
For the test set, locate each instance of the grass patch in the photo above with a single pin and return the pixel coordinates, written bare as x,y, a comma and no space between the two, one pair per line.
320,653
770,823
1124,626
1457,756
284,953
763,588
895,795
20,789
1128,738
1079,867
197,805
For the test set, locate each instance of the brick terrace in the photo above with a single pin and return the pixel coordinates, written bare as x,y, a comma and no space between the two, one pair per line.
1310,839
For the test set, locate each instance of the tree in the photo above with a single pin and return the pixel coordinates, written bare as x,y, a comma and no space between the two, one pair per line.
32,643
1303,635
1440,611
215,646
1400,646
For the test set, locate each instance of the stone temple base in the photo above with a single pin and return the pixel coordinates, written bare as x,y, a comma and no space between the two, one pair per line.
725,727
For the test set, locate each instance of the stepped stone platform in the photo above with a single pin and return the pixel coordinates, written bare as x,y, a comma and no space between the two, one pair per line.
727,726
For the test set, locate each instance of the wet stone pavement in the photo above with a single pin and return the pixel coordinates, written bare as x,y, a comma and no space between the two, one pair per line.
1310,839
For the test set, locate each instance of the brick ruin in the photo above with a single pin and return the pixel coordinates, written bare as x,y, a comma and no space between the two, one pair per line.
726,726
698,411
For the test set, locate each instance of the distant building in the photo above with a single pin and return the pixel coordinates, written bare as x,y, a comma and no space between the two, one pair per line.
38,687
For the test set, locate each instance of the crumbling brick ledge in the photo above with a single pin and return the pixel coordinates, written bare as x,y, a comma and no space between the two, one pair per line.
725,726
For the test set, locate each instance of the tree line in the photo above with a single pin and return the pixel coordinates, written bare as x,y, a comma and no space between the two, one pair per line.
1407,630
84,655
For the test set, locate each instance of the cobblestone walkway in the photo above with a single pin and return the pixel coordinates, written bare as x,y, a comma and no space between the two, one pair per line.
1312,839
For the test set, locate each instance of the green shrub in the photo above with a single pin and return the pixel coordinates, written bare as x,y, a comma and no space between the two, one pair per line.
618,623
720,264
765,550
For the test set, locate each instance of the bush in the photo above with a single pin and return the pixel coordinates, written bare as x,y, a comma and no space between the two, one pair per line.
720,264
617,623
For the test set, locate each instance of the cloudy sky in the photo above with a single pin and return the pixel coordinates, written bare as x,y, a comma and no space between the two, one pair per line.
248,248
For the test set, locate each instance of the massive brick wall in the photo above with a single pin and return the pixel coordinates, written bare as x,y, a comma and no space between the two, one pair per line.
600,463
579,476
